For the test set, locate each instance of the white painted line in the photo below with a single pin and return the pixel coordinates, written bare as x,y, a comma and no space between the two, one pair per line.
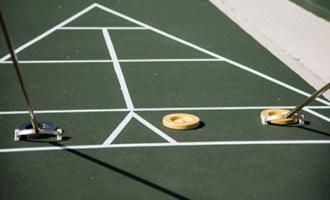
120,60
48,32
118,70
13,112
178,144
264,76
318,107
225,108
225,143
100,28
158,109
51,148
153,128
172,60
213,108
57,61
65,111
317,114
118,130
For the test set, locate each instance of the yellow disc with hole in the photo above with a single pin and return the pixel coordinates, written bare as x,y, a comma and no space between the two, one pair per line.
277,116
181,121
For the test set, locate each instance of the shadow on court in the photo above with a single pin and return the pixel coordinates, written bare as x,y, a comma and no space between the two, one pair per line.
120,171
315,131
309,129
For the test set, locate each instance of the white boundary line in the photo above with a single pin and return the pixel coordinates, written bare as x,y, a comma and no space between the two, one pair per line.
264,76
178,144
172,60
100,28
153,128
317,114
65,111
225,108
119,60
118,70
118,130
43,35
158,109
56,61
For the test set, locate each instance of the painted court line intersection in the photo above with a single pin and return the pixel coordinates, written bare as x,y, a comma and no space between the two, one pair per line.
130,107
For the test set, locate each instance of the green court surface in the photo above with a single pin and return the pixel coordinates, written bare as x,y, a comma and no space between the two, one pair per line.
107,72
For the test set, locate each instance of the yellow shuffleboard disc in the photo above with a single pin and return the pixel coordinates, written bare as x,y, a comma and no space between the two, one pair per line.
181,121
277,116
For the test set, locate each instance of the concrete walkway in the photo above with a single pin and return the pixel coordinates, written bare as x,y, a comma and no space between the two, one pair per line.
297,37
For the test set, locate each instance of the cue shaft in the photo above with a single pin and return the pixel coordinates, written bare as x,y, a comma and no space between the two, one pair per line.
308,100
18,73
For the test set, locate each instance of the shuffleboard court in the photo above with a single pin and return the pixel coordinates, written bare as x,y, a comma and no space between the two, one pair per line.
107,72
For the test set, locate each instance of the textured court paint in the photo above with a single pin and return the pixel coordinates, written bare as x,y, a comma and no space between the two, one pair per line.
114,134
231,172
136,132
48,32
100,18
154,128
192,172
327,119
62,86
89,45
325,112
193,84
148,44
